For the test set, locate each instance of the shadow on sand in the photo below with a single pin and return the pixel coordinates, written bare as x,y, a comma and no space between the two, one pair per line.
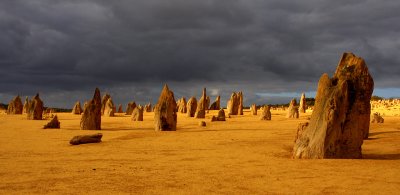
383,132
381,156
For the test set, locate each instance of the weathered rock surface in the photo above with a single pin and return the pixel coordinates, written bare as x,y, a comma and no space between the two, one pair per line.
86,139
293,110
253,109
137,114
109,108
35,108
240,107
77,109
202,106
26,103
191,107
235,104
266,113
15,106
340,119
208,101
53,124
165,117
182,105
220,117
377,118
216,105
104,102
130,107
303,104
91,117
300,128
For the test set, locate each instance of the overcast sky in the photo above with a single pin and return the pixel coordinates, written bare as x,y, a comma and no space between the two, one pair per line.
271,50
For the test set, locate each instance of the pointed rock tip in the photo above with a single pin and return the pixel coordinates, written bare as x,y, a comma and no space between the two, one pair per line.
36,96
96,93
166,87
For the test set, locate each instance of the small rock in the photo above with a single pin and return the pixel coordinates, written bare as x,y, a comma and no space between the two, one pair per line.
53,124
202,124
220,117
85,139
377,118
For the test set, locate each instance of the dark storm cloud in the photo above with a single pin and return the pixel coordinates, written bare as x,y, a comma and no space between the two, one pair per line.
257,46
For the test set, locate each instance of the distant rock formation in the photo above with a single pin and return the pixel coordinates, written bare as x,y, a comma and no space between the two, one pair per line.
191,107
137,114
253,109
109,108
266,113
293,111
340,119
129,108
35,108
207,102
240,107
201,106
165,117
377,118
216,105
26,103
86,139
303,104
120,109
77,109
147,107
15,106
91,117
48,113
104,102
235,104
53,124
182,105
220,117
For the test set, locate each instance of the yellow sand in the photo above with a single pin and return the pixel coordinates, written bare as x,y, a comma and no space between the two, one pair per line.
241,156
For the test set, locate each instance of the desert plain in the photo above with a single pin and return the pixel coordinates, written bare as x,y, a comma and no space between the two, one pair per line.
242,155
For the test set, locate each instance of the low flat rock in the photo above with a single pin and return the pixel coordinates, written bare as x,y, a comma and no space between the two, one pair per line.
86,139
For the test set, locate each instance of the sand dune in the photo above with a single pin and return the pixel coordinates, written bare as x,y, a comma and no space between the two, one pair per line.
241,156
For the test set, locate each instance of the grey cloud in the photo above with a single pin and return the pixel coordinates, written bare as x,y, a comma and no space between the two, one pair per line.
126,46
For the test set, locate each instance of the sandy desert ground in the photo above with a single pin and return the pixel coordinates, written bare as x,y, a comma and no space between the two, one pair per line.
241,156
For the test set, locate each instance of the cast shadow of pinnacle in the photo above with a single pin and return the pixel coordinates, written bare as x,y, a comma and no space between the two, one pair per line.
381,156
114,129
384,132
